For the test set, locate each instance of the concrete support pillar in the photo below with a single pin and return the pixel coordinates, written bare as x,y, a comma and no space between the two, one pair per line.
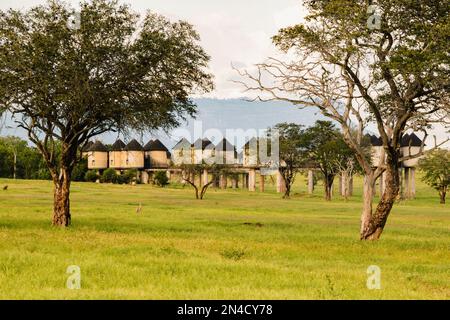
262,180
216,181
402,184
222,181
244,181
234,182
412,181
350,186
252,180
407,184
200,180
205,177
310,182
346,184
281,186
144,177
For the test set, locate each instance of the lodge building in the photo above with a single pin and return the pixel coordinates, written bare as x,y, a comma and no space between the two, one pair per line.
154,156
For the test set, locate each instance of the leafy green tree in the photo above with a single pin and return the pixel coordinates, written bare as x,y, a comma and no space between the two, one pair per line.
161,179
328,151
79,171
436,168
17,159
64,85
130,176
91,176
393,75
109,176
292,151
192,174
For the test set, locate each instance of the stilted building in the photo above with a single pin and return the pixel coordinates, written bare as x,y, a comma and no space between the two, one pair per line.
97,156
157,156
134,156
410,145
182,153
225,152
116,154
85,149
203,151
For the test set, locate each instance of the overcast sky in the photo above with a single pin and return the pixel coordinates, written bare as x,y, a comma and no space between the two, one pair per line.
232,31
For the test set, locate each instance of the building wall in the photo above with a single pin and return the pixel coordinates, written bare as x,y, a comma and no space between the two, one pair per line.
115,159
407,151
250,157
182,156
97,160
226,156
377,153
133,160
158,159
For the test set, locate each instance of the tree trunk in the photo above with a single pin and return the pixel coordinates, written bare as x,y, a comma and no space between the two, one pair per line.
61,203
373,226
443,194
287,193
368,195
328,187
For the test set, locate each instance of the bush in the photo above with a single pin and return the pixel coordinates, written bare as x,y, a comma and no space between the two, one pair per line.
91,176
161,179
80,170
130,176
109,176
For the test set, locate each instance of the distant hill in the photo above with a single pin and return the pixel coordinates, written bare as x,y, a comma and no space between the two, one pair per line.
219,114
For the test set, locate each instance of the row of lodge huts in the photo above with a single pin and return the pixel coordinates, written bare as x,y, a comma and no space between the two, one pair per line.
154,156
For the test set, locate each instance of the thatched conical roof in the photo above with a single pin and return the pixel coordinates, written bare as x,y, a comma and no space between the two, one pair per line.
119,145
134,146
155,145
203,144
411,140
182,144
98,147
87,146
225,145
375,141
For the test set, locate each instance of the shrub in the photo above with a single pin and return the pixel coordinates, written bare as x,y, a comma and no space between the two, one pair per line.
80,170
109,176
160,179
130,176
91,176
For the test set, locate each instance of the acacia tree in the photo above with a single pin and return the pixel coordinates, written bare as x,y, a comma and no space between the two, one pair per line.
328,151
436,168
292,149
193,175
65,84
393,75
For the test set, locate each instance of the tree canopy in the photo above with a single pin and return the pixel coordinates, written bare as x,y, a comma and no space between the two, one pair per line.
111,73
436,169
393,75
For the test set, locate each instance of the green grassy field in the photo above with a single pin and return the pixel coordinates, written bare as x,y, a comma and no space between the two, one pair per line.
232,245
